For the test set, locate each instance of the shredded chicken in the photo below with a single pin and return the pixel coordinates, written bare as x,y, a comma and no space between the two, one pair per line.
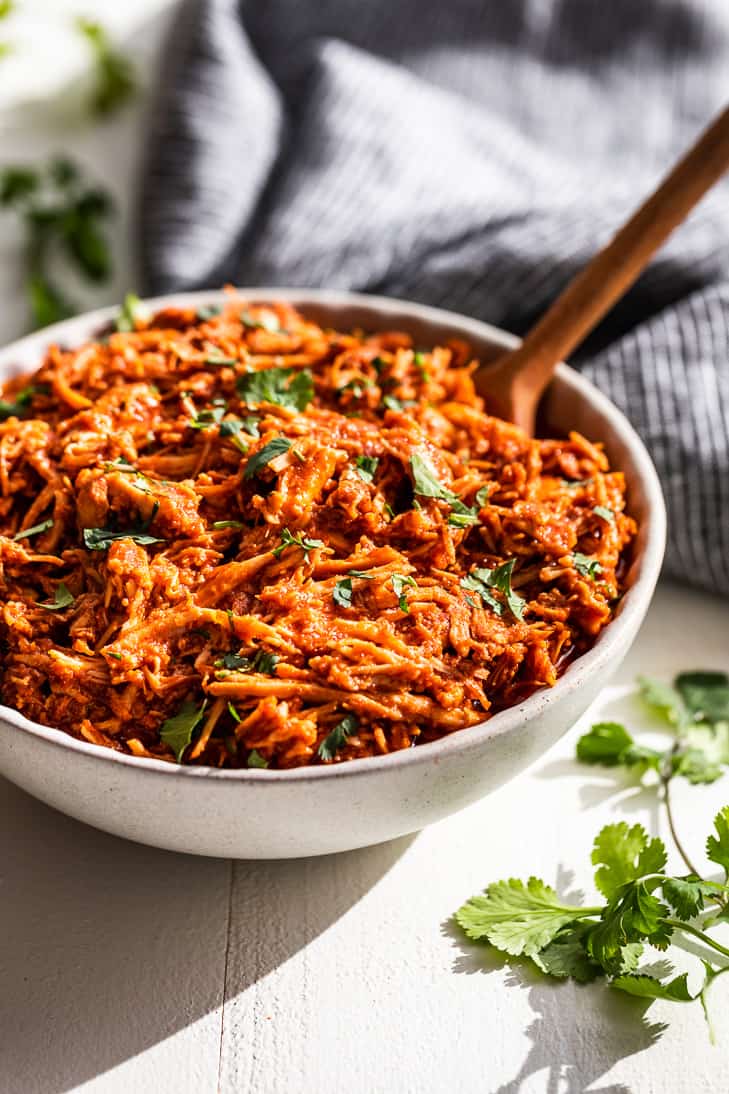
252,541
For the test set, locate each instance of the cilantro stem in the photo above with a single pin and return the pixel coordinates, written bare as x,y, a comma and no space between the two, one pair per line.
666,780
688,928
704,1002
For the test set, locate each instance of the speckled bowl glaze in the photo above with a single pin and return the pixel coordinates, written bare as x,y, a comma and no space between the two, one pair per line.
314,811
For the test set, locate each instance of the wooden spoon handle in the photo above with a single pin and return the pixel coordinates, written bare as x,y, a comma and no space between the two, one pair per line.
614,269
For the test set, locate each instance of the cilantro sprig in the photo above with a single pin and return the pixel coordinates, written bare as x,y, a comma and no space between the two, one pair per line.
642,906
62,216
641,903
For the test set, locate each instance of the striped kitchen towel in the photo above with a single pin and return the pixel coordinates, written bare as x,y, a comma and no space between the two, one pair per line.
472,155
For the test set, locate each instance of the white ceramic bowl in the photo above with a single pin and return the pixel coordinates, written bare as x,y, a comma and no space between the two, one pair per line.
312,811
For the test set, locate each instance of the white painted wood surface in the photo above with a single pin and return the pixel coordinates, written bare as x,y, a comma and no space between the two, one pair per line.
124,968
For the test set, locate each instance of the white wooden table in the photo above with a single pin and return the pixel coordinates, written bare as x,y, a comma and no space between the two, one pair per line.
124,968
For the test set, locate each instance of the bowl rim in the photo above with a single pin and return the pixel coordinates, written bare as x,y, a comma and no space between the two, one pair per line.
595,659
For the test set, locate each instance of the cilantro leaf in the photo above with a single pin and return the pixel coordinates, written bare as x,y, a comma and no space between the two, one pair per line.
275,447
288,387
566,956
425,483
232,427
717,846
62,599
177,731
338,736
517,918
36,530
17,184
399,583
18,408
342,594
663,699
131,311
648,987
633,915
610,744
483,580
695,764
209,415
586,565
686,895
624,854
100,539
604,513
255,759
268,321
299,540
262,662
706,695
366,467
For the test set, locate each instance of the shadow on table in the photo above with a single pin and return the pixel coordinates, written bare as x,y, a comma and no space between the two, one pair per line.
610,1025
109,948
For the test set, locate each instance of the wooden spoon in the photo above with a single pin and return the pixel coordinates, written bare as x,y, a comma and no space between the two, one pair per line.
513,385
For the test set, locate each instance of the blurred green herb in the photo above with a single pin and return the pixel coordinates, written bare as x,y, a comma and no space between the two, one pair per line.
114,78
61,214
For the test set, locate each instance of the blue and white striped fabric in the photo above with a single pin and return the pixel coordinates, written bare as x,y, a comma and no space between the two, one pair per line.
472,155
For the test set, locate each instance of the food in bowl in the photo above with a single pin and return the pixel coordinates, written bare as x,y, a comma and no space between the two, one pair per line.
237,539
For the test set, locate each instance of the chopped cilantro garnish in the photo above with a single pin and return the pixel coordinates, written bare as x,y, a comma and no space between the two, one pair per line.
299,540
393,403
177,731
268,322
275,447
262,662
62,598
366,467
399,583
255,759
209,416
427,485
337,738
208,312
121,464
482,496
483,580
586,566
419,362
100,539
231,427
131,311
357,386
604,513
342,594
36,530
17,409
288,387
